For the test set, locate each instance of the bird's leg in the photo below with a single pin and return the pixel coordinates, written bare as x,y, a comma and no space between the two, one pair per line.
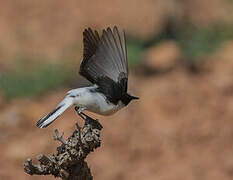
87,119
80,112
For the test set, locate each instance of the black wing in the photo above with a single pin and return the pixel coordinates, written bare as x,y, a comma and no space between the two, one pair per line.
105,56
90,40
105,61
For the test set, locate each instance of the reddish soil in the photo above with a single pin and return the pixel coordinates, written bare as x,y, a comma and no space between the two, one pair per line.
181,128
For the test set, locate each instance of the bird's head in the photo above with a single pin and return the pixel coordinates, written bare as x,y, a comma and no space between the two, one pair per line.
127,98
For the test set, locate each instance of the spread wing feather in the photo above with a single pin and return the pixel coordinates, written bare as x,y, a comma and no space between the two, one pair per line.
104,56
90,40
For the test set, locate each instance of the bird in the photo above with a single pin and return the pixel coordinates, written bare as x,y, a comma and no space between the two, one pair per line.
105,65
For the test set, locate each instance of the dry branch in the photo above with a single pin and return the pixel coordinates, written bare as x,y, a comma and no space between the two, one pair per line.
69,161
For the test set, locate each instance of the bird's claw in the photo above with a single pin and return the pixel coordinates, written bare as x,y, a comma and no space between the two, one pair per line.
76,108
87,119
80,112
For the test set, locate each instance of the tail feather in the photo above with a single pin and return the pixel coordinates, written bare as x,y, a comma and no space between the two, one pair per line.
53,115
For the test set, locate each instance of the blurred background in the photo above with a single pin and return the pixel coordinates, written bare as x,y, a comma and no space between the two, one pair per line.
180,54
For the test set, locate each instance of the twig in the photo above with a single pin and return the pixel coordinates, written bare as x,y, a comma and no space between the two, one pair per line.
69,161
59,137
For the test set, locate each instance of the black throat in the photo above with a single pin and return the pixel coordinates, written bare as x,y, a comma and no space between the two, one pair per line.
114,91
126,98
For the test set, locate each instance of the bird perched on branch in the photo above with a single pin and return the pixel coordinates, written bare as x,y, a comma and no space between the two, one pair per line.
105,65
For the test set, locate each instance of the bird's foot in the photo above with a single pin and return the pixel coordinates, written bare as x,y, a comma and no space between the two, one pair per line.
86,118
80,112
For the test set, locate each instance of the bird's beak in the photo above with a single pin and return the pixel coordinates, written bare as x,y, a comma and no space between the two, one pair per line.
134,97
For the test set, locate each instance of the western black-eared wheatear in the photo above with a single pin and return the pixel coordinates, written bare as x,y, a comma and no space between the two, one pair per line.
105,65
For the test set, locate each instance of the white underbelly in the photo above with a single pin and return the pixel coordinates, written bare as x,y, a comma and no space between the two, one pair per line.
111,109
96,102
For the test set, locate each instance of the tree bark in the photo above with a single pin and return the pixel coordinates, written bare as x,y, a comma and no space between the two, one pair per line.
69,161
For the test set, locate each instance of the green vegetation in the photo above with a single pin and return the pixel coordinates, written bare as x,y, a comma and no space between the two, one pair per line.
29,81
198,42
134,51
195,42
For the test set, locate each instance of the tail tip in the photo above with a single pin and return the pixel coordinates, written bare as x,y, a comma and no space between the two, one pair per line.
40,124
44,122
